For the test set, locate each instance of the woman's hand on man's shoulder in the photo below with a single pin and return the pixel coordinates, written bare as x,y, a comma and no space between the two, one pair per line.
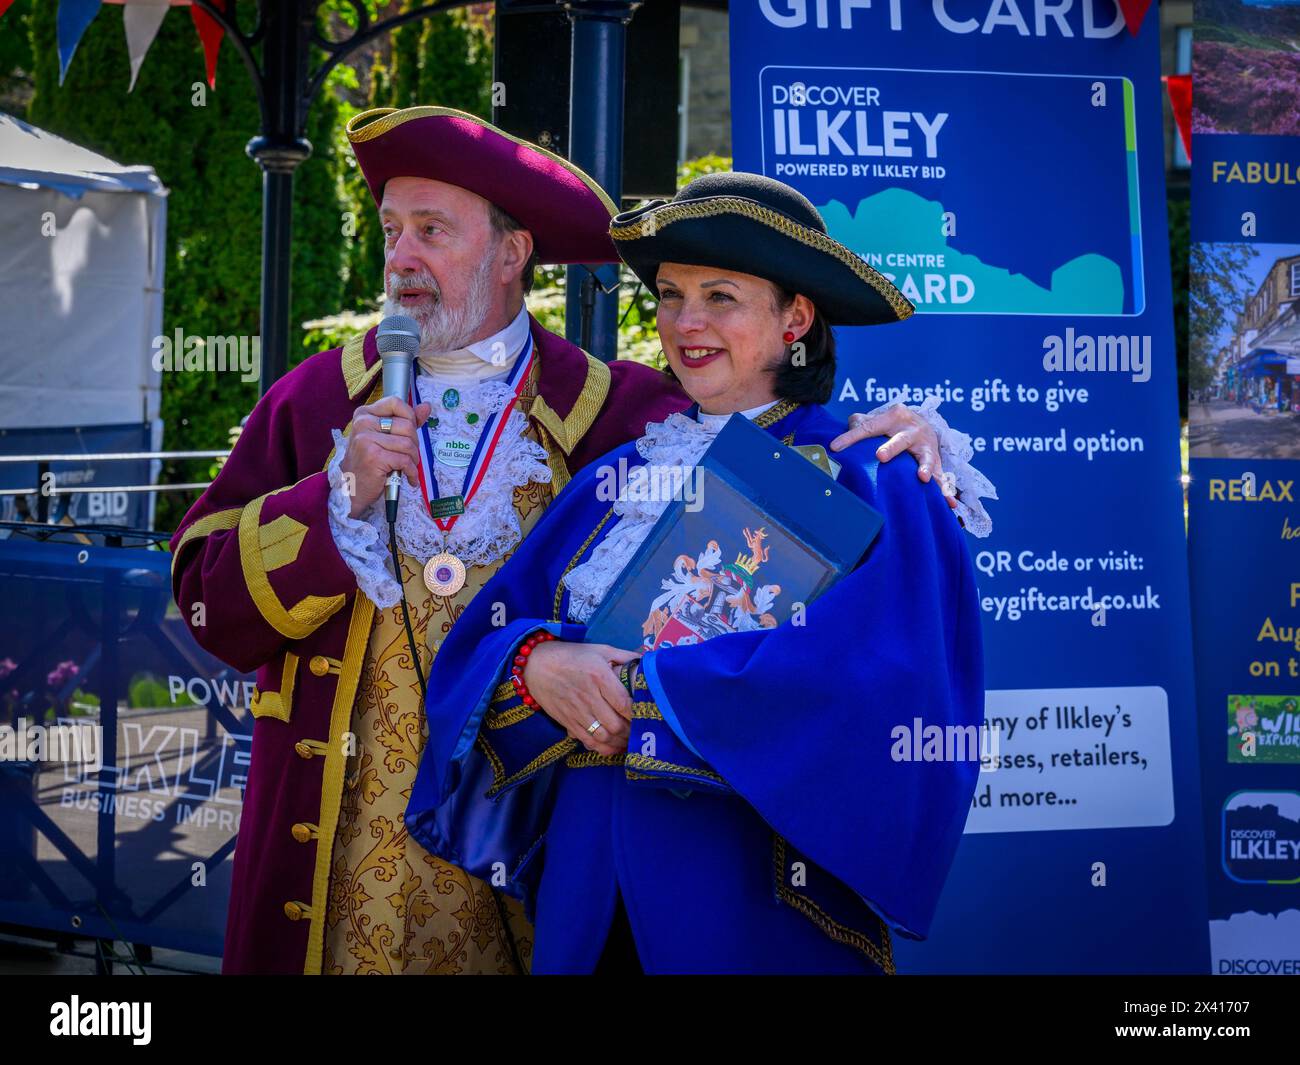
908,433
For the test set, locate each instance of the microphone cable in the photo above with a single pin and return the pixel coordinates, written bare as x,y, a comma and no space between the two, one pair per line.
401,585
503,915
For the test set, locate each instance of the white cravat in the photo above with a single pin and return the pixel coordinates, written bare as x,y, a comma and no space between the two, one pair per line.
484,360
715,422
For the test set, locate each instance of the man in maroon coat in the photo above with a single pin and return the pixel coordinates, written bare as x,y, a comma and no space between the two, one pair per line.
281,566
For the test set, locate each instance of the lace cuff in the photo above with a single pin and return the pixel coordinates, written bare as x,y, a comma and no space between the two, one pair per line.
358,540
955,451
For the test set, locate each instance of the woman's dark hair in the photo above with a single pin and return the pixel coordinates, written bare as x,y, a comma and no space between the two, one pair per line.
807,374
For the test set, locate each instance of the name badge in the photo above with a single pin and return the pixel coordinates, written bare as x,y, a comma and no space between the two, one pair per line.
453,452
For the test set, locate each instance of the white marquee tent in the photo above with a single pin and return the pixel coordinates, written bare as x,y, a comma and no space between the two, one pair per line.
82,243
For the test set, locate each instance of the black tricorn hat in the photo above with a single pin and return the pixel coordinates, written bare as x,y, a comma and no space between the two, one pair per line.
757,225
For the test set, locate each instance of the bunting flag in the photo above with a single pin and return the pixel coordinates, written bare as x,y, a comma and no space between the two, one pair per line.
210,33
5,5
141,19
73,18
1180,102
1134,12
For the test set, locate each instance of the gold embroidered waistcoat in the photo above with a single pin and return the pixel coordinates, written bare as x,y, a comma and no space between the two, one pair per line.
393,907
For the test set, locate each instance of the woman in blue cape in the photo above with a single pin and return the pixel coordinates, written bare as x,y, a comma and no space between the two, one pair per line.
754,803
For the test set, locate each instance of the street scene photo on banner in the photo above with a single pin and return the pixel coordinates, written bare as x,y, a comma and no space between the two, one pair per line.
1244,376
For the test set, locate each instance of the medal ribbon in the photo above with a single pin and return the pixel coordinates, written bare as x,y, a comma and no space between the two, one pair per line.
483,450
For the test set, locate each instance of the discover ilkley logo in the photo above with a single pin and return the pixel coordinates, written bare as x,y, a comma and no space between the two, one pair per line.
134,1019
82,743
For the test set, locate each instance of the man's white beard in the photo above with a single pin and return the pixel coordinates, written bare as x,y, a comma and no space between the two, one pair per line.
444,328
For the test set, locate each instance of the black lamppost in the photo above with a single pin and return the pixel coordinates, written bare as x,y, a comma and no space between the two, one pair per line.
286,85
596,77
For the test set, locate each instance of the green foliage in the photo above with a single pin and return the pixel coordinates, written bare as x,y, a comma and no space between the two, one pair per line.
638,337
147,691
194,138
15,58
1219,289
444,61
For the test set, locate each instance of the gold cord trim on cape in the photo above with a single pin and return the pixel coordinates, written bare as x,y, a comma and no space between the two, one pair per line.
882,957
652,221
379,120
587,759
773,415
494,760
647,711
658,765
505,690
506,718
552,753
559,587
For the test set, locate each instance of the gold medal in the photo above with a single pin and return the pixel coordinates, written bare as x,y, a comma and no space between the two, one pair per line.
444,574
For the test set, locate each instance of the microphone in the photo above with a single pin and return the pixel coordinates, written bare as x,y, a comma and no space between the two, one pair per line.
398,339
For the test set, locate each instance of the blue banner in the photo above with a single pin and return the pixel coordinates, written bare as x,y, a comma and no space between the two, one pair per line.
1244,436
123,751
108,506
1002,162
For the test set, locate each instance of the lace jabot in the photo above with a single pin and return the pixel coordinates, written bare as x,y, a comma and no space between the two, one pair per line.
676,441
487,530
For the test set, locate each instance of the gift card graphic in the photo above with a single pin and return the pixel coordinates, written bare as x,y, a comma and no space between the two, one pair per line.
936,178
1261,837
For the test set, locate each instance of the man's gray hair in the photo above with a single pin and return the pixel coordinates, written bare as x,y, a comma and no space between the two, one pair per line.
503,223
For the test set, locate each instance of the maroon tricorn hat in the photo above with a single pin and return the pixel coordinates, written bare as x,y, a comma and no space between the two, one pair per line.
565,210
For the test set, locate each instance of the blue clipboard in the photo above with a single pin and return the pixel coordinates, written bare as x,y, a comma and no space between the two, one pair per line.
759,532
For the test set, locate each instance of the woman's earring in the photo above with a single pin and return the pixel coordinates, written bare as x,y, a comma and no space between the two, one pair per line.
788,337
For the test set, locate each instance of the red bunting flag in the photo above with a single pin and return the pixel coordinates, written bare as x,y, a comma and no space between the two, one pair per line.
1180,102
1134,12
210,33
5,5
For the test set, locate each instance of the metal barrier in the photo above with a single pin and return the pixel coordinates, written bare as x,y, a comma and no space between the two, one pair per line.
46,488
136,849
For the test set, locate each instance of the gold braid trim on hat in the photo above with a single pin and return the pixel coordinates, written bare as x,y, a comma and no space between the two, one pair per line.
649,223
368,125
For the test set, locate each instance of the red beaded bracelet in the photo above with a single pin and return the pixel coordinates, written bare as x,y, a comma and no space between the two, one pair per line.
521,660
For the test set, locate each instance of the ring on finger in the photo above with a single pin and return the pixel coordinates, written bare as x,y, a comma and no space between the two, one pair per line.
594,727
385,425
